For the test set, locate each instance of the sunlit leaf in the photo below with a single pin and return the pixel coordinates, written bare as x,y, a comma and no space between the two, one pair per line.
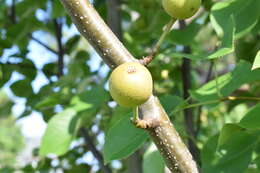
257,61
60,132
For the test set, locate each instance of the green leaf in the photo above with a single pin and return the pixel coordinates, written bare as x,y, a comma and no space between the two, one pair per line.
252,119
153,161
122,138
60,132
24,28
57,9
49,69
22,88
6,71
7,170
257,61
27,68
71,44
252,170
246,14
228,131
186,35
90,99
82,168
49,101
257,161
227,83
24,12
232,157
170,102
227,45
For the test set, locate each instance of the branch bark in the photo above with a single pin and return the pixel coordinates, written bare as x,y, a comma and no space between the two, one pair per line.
112,51
94,29
90,145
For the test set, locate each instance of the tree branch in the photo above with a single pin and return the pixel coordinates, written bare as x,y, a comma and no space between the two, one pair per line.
188,114
114,17
43,44
175,153
93,28
61,51
90,145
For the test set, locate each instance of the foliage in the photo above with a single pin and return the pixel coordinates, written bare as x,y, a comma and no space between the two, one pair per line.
9,132
225,35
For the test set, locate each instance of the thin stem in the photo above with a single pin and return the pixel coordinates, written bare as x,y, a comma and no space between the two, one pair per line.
43,44
136,116
228,98
146,60
61,51
196,105
231,98
161,39
90,145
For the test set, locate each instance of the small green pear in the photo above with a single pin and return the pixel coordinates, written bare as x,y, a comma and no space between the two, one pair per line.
181,9
130,84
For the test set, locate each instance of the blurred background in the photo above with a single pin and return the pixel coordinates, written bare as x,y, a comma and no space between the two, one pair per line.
47,68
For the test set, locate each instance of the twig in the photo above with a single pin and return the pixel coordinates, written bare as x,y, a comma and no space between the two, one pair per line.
43,44
90,145
146,60
188,114
61,51
228,98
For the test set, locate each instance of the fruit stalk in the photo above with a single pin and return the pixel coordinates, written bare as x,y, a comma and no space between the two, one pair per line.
93,28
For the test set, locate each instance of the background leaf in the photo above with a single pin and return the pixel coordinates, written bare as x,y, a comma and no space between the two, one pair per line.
60,132
251,119
227,83
153,161
122,138
257,61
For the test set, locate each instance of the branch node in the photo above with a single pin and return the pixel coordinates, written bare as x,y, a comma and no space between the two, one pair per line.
146,60
145,124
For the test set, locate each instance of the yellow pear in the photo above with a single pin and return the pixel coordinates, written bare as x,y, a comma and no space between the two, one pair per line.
130,84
